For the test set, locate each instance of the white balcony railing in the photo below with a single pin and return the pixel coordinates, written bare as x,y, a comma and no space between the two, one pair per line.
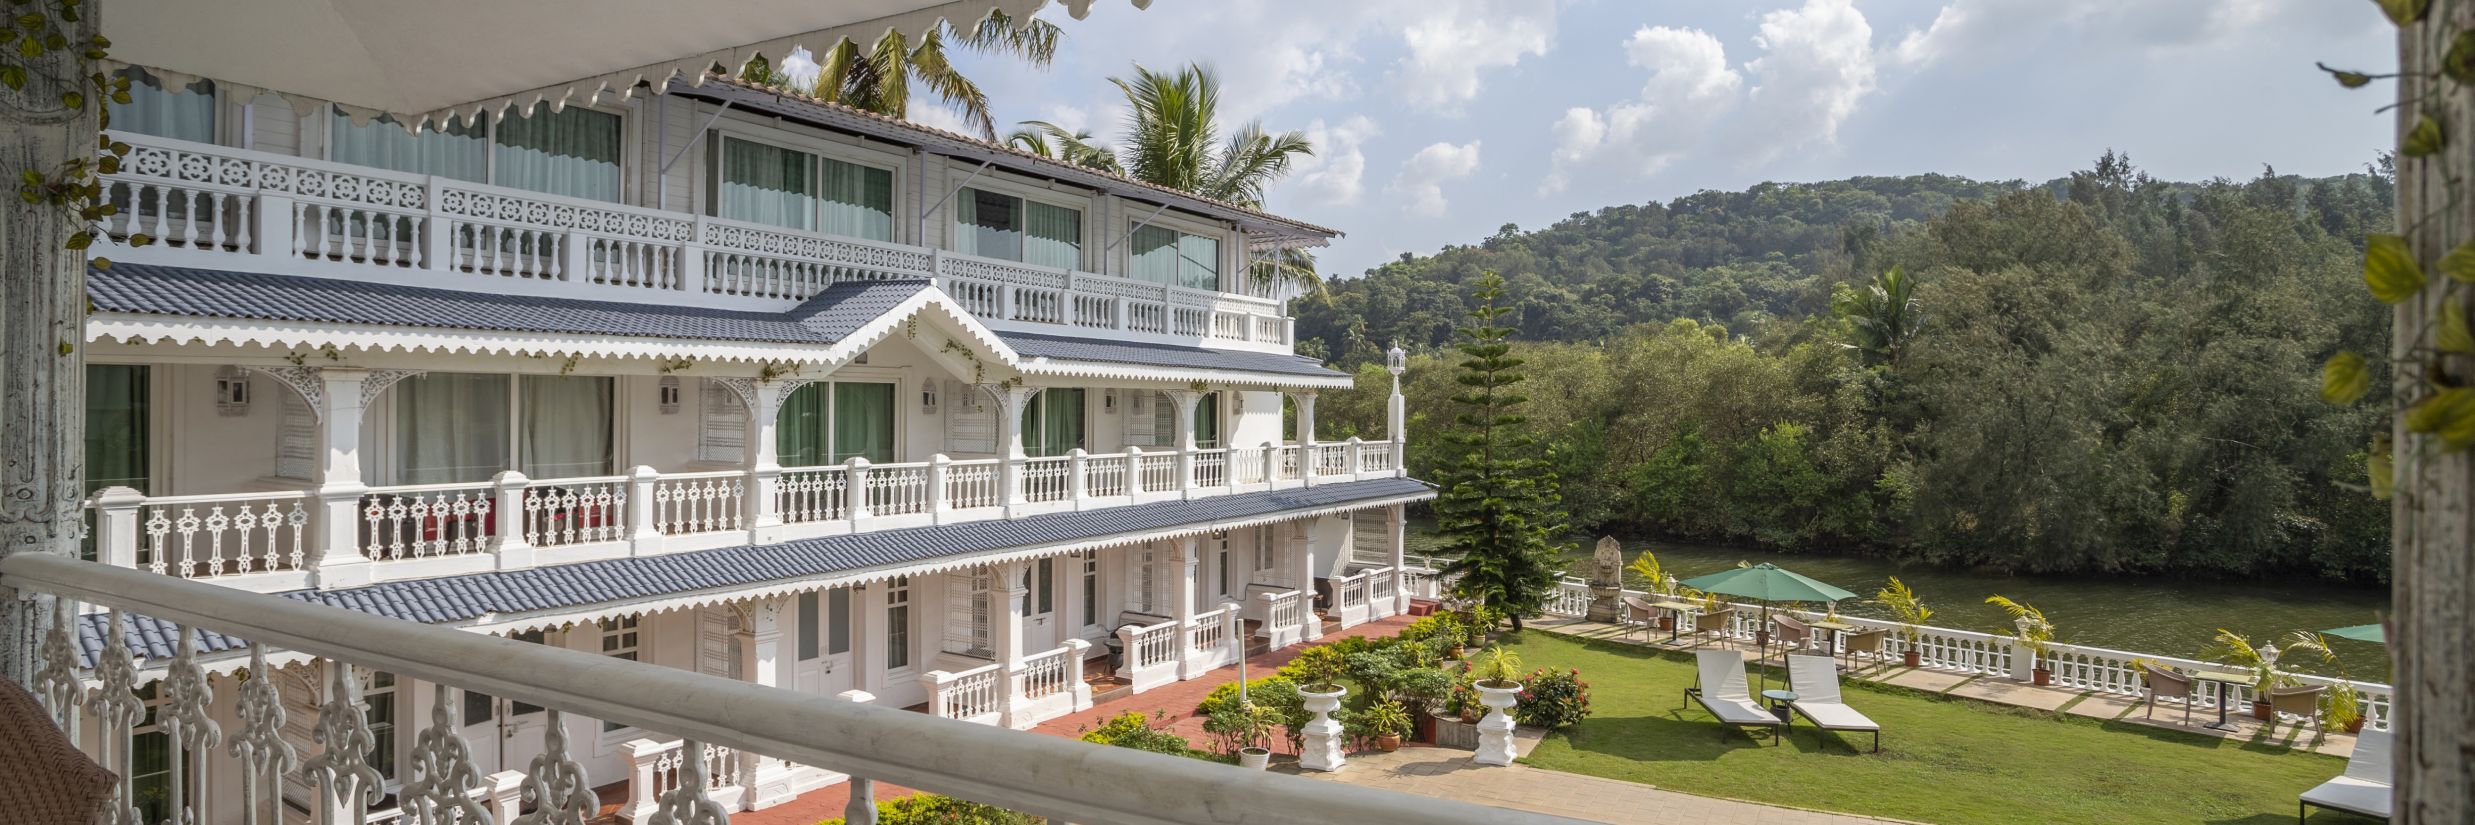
219,207
274,541
713,717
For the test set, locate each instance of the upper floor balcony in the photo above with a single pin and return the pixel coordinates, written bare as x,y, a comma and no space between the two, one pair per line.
215,207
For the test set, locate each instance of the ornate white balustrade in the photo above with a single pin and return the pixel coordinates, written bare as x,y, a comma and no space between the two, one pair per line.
1213,640
975,695
271,542
1350,602
2078,667
1284,618
236,726
1152,654
219,207
1020,694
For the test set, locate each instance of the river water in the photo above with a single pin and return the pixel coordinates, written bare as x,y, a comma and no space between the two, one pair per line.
2144,614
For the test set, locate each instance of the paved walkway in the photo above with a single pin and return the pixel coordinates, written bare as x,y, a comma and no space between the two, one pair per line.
1449,773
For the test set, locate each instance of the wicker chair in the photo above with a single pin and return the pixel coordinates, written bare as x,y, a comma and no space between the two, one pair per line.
1791,634
1714,623
1635,613
2300,701
2166,684
1868,642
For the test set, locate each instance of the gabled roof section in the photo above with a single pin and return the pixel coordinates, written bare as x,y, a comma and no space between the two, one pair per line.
632,584
845,307
1034,347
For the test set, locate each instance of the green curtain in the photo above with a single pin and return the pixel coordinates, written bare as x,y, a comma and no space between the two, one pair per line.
768,184
566,426
117,413
864,422
1207,422
1054,423
1199,262
799,429
1155,255
572,152
460,151
989,225
450,427
186,113
1052,236
857,201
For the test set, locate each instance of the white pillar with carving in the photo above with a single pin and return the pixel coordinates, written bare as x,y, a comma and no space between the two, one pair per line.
342,399
1396,411
1302,566
762,453
1185,560
1396,523
1186,401
1307,459
1007,594
1012,402
762,662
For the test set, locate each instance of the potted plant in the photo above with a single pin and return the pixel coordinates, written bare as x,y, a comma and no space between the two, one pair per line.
1655,580
1320,690
2234,650
2033,632
1448,628
2342,705
1910,612
1388,721
1244,729
1499,688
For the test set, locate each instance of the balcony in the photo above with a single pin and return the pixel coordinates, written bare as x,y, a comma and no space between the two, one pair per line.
277,541
726,732
221,208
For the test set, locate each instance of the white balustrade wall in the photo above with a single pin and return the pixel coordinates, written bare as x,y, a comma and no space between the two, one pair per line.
212,205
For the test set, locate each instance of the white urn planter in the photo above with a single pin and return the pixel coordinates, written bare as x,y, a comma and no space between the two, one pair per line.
1322,750
1495,732
1254,759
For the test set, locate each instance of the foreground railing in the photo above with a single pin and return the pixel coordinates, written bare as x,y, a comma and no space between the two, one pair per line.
2077,667
277,541
1054,777
291,215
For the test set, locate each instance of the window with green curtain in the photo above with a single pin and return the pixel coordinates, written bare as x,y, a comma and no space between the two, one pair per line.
767,184
450,427
118,410
1198,262
864,422
1053,424
1207,421
826,423
800,437
996,225
1155,255
857,201
184,113
572,152
566,426
460,151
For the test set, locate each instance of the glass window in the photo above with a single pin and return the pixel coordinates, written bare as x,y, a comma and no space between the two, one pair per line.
1053,424
857,201
995,225
460,151
378,697
1091,588
566,426
1207,421
808,625
185,113
450,428
572,152
150,760
1045,591
619,641
117,415
898,624
831,423
767,184
1167,256
838,618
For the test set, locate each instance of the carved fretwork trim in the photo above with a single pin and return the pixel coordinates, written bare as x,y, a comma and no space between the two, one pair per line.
304,380
745,388
378,382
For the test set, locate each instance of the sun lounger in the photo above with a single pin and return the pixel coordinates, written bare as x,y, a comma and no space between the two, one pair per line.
2363,788
1816,682
1723,691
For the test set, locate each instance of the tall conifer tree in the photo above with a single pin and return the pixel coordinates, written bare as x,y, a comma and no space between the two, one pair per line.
1499,510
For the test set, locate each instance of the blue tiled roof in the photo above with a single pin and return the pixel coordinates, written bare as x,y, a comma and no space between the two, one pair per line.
210,293
1032,345
468,597
845,306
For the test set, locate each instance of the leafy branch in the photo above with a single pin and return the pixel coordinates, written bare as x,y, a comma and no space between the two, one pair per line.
37,41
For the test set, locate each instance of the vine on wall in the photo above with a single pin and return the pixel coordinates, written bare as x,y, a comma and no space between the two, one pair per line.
40,45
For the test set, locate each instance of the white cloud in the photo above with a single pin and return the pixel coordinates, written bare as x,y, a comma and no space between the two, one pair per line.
1421,181
1689,88
936,115
1452,43
801,66
1335,174
1973,30
1817,65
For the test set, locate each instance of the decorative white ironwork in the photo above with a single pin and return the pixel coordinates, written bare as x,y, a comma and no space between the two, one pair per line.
304,380
117,709
379,380
688,804
342,770
745,388
555,785
440,788
183,716
55,683
266,757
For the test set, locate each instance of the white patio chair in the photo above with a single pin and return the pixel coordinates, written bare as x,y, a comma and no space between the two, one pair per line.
1723,691
1815,679
2363,788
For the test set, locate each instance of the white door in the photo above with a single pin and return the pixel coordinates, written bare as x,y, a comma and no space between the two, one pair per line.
1042,630
821,643
505,734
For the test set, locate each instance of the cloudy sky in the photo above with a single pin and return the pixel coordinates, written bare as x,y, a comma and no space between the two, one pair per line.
1436,121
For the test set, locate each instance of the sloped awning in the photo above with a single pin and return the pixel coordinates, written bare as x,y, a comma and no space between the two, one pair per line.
425,60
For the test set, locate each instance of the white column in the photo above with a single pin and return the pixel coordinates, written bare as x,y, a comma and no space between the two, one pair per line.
764,461
939,466
1185,558
644,537
1078,486
1012,401
1302,565
116,526
515,551
1396,428
762,662
1306,416
1007,594
867,651
1186,401
1396,522
340,483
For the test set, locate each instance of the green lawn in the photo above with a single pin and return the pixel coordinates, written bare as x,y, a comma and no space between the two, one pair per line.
1947,761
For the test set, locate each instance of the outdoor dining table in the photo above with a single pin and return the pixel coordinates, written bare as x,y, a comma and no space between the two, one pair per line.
1675,613
1831,645
2223,679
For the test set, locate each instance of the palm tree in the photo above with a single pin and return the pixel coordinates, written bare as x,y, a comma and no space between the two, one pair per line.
1882,317
1173,139
879,78
1058,143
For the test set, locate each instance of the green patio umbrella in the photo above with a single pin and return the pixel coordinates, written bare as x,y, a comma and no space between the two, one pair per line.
2361,633
1767,583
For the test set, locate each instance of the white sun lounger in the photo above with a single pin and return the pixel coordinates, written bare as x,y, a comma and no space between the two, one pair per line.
1722,690
1816,682
2363,788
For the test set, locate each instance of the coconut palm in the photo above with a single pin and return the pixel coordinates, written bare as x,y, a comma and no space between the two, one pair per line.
1882,317
1059,143
1173,138
879,78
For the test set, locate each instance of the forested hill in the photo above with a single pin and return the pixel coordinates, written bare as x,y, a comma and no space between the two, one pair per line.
2102,373
1736,259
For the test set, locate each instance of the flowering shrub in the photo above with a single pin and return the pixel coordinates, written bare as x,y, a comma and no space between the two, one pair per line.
1553,700
1132,730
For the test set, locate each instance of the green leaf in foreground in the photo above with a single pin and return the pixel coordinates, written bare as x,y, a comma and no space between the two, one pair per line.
2453,335
2424,139
2389,268
2459,63
2448,413
2380,468
2403,12
2344,379
2459,264
2348,79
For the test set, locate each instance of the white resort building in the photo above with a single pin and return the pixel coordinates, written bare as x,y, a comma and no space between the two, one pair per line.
714,377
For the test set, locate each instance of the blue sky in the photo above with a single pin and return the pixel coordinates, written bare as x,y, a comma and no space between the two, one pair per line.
1437,121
